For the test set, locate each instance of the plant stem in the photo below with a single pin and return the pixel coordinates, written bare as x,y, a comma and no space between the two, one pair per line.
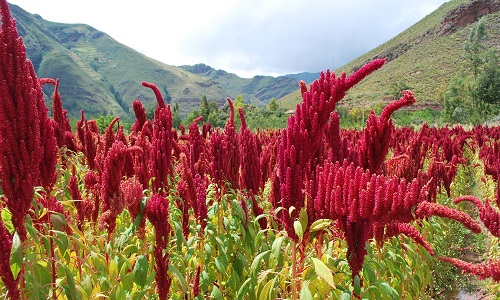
53,258
294,270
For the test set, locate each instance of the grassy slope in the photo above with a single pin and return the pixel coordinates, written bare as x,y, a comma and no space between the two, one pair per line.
425,67
119,66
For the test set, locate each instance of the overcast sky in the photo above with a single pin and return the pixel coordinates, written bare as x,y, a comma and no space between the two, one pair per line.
246,37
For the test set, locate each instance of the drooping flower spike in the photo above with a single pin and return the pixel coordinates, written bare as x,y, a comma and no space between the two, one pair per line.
162,144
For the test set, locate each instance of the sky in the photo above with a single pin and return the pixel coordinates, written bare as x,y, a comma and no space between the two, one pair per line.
246,37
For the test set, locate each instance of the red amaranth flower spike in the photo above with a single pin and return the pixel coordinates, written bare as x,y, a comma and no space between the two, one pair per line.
490,269
196,283
300,141
251,174
231,150
363,72
397,228
488,215
141,161
111,179
156,90
363,204
428,209
140,116
161,149
59,115
162,143
27,142
377,135
157,212
132,194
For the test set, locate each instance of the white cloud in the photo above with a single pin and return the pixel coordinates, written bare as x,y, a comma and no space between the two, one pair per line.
247,37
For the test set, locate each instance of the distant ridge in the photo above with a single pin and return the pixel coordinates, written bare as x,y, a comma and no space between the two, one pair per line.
307,77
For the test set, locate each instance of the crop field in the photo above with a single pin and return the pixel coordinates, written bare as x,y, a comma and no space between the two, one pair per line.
310,211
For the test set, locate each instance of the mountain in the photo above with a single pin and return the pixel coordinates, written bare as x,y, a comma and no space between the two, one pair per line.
307,77
259,89
424,57
102,76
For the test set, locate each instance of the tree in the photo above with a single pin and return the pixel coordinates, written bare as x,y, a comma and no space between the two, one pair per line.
204,108
397,89
238,102
457,98
273,105
176,116
488,80
167,98
470,98
474,48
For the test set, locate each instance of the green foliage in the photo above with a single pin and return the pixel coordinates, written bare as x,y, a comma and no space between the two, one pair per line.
210,112
264,118
103,122
398,87
176,116
474,46
273,105
473,99
415,118
488,80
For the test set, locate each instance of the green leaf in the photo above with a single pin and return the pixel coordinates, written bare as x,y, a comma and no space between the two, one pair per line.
303,218
244,289
305,293
135,225
58,221
173,269
345,296
221,263
389,290
370,272
7,219
357,285
238,265
239,211
62,242
299,231
141,270
323,271
255,267
216,293
276,248
266,293
16,255
320,225
70,286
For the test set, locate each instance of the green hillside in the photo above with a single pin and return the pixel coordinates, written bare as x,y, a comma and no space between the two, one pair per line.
102,76
423,57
